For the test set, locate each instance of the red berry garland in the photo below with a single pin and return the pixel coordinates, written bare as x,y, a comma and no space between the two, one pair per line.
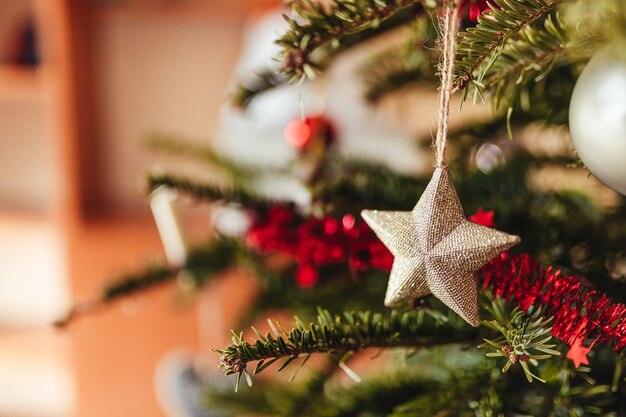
310,132
316,242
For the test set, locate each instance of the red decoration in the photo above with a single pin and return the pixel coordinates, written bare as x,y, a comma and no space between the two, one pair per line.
578,353
474,8
482,217
297,133
316,242
578,312
312,131
306,276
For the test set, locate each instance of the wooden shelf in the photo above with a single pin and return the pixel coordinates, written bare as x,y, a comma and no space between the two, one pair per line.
18,83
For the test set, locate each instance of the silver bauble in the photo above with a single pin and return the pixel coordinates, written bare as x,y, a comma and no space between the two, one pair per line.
597,116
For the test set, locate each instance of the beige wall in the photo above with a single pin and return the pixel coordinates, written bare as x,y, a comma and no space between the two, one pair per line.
156,75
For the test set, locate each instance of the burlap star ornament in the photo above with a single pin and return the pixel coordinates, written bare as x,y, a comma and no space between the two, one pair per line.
436,249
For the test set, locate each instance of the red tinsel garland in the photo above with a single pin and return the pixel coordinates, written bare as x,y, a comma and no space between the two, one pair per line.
578,312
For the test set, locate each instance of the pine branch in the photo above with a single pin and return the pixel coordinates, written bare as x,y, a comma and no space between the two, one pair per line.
334,35
263,81
202,264
483,44
383,395
175,146
397,68
348,185
275,399
347,18
352,332
532,57
523,339
211,192
528,60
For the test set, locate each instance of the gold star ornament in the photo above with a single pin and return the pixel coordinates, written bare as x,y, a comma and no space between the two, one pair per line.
436,249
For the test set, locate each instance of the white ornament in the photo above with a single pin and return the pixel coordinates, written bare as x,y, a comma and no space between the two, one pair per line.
597,116
168,224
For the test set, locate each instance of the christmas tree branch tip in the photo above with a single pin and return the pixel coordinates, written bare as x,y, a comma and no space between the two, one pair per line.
524,339
175,146
207,191
344,335
202,264
481,45
319,25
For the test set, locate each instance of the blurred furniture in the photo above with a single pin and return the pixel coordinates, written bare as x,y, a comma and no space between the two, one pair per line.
74,111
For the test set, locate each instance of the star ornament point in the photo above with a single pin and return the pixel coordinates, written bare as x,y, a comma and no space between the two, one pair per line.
436,249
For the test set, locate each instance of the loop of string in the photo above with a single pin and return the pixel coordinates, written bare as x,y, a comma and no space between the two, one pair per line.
450,27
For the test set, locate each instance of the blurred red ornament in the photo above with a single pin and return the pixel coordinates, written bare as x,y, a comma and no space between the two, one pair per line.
482,217
474,8
311,132
348,221
306,276
297,133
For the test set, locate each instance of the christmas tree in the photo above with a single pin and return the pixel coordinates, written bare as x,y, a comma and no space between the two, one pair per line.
465,320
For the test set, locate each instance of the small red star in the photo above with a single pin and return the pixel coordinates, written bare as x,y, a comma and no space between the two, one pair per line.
578,353
483,218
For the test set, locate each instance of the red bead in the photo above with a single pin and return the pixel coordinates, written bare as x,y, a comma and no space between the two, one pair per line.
297,133
306,276
348,221
331,226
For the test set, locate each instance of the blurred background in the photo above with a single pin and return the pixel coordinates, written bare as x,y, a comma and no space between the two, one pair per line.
82,84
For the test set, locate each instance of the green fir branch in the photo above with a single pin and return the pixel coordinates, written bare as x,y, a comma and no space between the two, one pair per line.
322,35
318,27
349,185
174,146
384,395
202,264
401,66
528,60
481,45
524,339
212,192
351,332
263,81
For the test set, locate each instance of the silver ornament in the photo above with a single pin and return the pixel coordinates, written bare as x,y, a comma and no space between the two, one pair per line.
597,116
436,250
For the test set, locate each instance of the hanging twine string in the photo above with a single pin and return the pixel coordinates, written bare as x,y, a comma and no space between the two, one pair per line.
450,28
